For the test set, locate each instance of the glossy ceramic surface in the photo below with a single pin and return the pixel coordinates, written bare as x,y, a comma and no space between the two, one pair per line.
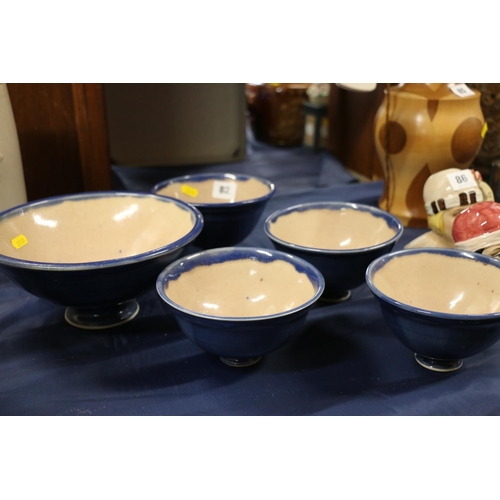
419,130
478,228
240,303
85,229
446,194
231,204
338,238
443,304
94,252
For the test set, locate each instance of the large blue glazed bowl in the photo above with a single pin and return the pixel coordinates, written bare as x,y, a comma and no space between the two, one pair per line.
95,252
240,303
342,268
228,219
442,304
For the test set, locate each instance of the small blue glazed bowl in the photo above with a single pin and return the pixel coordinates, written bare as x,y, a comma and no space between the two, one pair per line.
95,252
374,232
443,304
240,303
231,204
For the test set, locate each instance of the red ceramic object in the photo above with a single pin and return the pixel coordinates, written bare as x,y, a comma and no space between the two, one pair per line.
478,220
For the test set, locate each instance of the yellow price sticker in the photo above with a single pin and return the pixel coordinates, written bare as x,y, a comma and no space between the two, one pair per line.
189,190
19,241
485,129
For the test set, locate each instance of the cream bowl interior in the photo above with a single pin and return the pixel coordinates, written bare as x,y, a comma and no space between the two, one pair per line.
92,229
240,303
241,288
227,189
327,229
441,283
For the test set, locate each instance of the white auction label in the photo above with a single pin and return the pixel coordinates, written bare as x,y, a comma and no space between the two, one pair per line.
461,90
462,180
224,190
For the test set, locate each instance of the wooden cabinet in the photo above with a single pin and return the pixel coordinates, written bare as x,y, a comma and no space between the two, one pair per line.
62,136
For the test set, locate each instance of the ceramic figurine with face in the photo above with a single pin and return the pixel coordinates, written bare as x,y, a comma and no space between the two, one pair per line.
446,194
477,229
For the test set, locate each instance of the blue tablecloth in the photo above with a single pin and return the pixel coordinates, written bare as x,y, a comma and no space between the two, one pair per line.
345,361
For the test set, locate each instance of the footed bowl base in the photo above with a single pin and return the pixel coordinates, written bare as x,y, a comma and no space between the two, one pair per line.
335,297
439,365
240,362
98,318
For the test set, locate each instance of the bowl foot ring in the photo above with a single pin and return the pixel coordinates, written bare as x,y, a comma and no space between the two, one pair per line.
438,365
98,318
335,297
240,362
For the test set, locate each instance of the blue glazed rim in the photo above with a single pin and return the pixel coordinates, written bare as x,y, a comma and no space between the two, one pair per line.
61,266
380,262
391,220
218,176
219,255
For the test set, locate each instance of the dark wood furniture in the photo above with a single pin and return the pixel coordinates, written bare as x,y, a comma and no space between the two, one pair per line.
62,136
350,136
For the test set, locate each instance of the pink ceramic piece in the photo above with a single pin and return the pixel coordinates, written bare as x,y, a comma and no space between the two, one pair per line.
478,226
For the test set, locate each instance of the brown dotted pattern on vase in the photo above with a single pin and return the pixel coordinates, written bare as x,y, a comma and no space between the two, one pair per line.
429,91
432,107
414,197
466,140
392,137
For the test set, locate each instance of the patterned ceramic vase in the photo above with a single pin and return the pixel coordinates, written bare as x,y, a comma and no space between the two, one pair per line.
421,129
